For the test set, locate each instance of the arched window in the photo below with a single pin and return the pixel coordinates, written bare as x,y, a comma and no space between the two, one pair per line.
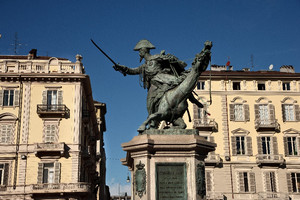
7,128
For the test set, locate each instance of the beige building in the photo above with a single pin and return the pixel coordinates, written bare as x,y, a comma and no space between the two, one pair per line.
254,118
51,130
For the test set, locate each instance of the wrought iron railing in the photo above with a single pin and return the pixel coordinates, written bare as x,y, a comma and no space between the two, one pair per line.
54,108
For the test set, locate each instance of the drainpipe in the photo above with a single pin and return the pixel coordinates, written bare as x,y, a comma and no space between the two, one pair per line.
18,134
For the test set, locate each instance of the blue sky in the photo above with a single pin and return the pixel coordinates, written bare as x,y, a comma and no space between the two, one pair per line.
267,29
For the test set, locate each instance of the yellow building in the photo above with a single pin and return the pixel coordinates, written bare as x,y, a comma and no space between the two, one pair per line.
254,118
51,130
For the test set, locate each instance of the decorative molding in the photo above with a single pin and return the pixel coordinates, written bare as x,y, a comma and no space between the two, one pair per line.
288,99
140,179
291,131
77,113
240,131
262,100
237,99
26,112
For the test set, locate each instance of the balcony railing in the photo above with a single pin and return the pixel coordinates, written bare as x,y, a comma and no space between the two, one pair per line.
273,195
56,109
44,149
61,187
269,159
267,125
205,124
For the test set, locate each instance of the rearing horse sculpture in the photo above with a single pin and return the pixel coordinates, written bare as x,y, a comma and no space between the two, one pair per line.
173,104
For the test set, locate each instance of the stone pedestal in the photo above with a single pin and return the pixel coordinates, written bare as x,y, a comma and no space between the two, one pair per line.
167,164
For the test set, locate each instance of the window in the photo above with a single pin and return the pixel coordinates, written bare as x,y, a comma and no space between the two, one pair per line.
291,145
52,98
49,172
6,132
9,97
239,112
286,86
261,86
246,181
288,112
267,145
295,182
241,145
200,116
200,85
4,167
270,183
264,114
236,86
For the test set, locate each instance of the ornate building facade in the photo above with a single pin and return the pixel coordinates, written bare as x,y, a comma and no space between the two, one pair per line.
254,118
51,130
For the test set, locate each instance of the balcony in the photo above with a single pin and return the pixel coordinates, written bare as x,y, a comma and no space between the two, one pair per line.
61,188
205,124
268,125
213,159
273,195
49,149
52,110
266,159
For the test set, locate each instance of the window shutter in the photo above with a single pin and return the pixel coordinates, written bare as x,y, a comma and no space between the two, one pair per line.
246,112
6,172
298,146
252,182
272,112
283,112
60,97
256,111
231,112
208,181
249,146
289,182
44,97
16,98
285,144
57,172
267,182
275,146
233,145
40,173
259,147
241,182
297,112
195,108
1,97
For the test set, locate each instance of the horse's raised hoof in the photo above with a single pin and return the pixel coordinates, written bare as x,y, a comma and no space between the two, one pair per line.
141,129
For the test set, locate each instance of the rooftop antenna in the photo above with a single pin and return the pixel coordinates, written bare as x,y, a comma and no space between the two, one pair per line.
252,61
16,44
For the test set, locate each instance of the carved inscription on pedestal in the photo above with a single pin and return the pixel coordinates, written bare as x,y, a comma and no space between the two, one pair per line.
171,181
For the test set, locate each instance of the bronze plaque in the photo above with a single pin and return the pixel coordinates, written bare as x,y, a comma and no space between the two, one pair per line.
171,181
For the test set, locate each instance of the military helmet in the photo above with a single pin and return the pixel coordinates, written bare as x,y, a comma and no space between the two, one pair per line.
143,44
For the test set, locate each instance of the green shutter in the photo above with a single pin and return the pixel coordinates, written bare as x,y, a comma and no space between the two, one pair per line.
1,97
289,182
249,146
233,145
259,145
57,172
252,182
16,98
285,144
297,112
275,145
268,182
60,97
241,182
246,112
40,173
44,97
231,112
272,112
283,112
298,146
256,111
6,173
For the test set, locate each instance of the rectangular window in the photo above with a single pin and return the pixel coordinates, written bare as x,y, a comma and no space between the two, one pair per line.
239,114
264,114
8,97
289,112
236,86
286,86
261,86
200,85
5,133
271,179
48,173
296,182
246,181
240,145
52,99
292,146
266,145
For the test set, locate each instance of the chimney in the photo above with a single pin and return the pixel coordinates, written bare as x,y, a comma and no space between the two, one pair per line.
287,69
32,54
